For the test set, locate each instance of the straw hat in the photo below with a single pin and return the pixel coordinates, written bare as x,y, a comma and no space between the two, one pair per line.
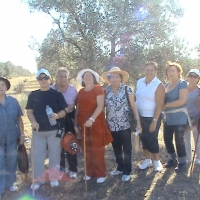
79,77
124,74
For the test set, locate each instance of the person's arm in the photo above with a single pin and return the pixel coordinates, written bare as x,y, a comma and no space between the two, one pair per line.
21,129
159,98
31,117
135,111
180,101
98,110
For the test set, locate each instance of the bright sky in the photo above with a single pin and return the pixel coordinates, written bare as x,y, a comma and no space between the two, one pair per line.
19,26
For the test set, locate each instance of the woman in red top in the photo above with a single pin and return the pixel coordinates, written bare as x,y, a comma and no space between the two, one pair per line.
89,114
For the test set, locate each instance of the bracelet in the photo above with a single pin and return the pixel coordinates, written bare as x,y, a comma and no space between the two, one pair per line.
22,135
92,119
155,120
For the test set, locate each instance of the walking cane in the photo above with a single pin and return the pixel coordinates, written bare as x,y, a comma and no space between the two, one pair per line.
32,161
85,159
195,149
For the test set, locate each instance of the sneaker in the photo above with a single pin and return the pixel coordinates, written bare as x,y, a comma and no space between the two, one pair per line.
180,167
72,175
101,180
197,161
115,172
145,164
87,178
157,166
126,178
13,188
54,183
170,163
36,186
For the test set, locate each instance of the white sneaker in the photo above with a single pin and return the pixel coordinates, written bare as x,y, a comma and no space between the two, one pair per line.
126,178
115,172
36,186
197,161
72,175
54,183
158,166
13,188
101,180
87,178
145,164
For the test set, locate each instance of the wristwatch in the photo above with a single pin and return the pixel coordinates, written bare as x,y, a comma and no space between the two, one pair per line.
92,119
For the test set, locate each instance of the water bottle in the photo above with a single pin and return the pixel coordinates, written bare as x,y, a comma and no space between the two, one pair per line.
49,112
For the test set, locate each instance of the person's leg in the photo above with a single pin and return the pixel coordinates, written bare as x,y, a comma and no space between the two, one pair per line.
2,169
72,162
195,136
11,164
39,151
168,139
62,160
117,147
188,145
54,155
144,139
127,151
180,144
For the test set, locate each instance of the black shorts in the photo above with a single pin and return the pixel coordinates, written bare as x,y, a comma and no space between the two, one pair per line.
149,139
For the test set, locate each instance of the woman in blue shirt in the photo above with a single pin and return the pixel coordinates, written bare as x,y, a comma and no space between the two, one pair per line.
11,128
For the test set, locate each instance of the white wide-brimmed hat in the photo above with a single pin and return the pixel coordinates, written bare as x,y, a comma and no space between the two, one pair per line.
79,77
125,75
196,71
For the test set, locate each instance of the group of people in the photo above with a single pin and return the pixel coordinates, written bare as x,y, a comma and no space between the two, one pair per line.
177,103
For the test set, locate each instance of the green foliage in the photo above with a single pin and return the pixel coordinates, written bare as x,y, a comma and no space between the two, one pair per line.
19,88
8,69
98,34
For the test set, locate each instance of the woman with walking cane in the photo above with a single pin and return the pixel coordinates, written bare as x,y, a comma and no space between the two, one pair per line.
193,105
90,119
46,109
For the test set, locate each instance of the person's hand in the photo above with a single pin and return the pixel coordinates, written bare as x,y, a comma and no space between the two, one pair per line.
54,116
22,139
35,126
88,123
153,125
139,128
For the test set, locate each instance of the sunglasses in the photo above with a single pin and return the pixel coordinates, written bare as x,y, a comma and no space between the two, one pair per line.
192,76
42,78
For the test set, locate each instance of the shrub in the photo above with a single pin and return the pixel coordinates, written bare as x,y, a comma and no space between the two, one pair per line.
19,88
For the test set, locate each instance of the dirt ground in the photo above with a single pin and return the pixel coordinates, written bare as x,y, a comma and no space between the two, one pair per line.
145,184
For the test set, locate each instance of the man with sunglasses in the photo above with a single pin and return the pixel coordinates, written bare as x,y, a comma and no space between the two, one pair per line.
45,134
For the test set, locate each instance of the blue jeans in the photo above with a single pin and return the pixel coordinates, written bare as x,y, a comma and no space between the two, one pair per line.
122,147
8,165
178,131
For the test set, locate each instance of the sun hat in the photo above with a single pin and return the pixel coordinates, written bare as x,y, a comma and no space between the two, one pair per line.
6,81
196,71
124,74
79,77
43,71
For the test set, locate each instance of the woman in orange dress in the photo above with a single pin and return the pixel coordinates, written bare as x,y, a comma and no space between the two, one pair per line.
90,115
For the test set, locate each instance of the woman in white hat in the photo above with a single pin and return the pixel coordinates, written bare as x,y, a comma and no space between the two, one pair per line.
89,116
117,116
193,105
